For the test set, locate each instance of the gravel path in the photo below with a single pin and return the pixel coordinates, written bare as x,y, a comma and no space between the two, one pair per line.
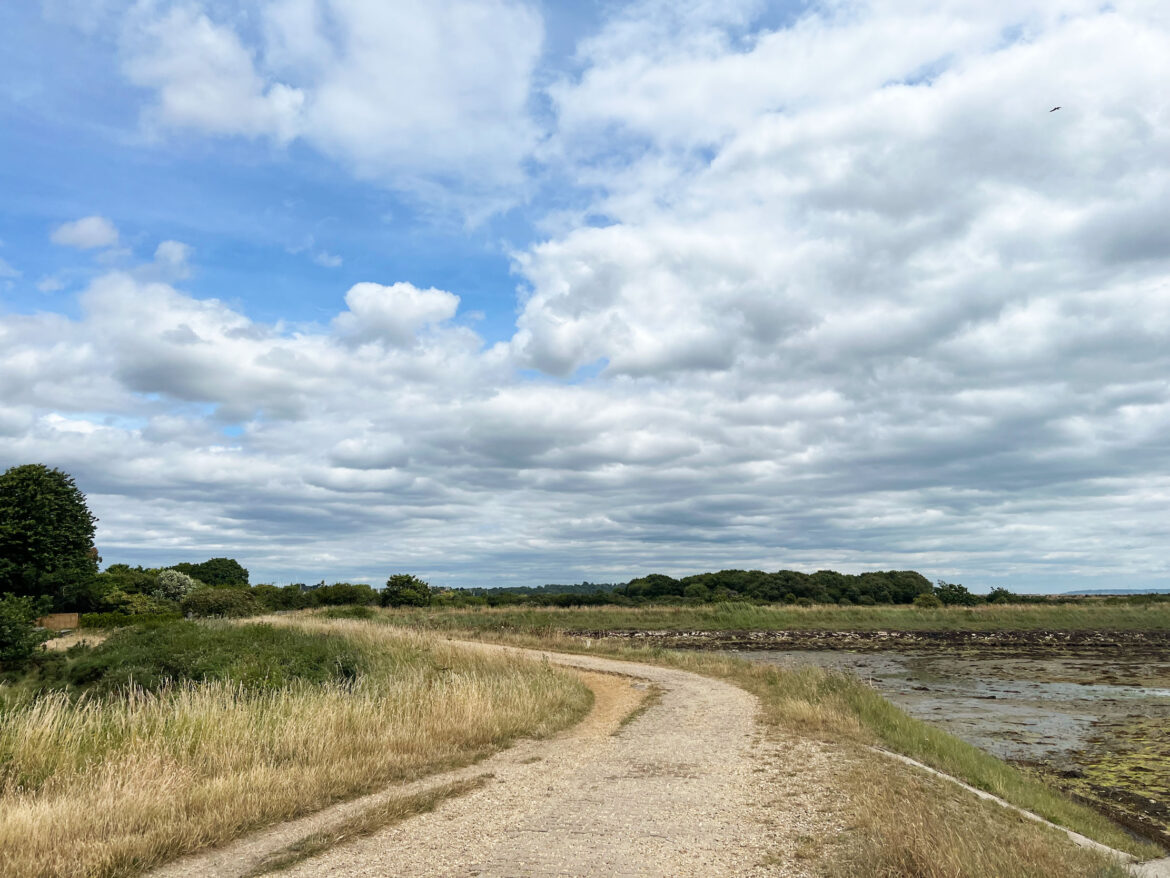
692,786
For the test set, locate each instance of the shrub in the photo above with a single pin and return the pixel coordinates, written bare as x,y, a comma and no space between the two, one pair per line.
342,593
352,612
927,602
172,585
228,603
135,604
290,597
255,656
19,637
120,620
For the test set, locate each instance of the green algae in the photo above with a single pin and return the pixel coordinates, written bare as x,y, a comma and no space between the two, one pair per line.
1125,771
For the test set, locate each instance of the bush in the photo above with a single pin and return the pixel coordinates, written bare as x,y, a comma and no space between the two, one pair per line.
135,604
290,597
172,585
342,593
927,602
255,656
121,620
227,603
19,636
354,612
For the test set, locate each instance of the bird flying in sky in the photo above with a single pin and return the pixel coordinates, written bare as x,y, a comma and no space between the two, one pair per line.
1054,109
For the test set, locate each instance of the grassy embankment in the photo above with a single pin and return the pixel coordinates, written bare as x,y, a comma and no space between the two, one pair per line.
1083,615
98,778
905,824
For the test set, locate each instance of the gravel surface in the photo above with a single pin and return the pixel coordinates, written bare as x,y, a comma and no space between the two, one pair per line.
693,786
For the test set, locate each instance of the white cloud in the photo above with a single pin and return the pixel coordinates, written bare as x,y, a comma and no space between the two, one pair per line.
50,284
171,260
327,260
86,233
392,314
6,269
204,76
393,91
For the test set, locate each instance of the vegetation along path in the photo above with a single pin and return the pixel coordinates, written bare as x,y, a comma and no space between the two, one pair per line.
690,785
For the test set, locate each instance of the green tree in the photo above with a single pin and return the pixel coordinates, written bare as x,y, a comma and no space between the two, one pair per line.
19,636
46,535
404,590
216,571
954,595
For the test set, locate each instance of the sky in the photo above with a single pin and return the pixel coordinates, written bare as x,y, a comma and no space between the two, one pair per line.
504,293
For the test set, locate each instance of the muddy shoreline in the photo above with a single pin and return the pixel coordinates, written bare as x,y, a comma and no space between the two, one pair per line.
885,640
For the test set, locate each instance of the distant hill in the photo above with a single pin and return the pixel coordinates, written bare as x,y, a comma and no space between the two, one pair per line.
1119,591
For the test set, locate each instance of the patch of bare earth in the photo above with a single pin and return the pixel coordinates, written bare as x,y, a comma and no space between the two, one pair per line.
692,786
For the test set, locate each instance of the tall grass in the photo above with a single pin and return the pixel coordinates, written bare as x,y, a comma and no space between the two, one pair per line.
1088,614
109,786
907,824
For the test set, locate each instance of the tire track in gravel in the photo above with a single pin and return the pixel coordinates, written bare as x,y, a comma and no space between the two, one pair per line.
691,787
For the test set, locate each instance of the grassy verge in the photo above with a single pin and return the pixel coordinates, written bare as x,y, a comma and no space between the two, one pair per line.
908,824
110,784
840,709
1085,615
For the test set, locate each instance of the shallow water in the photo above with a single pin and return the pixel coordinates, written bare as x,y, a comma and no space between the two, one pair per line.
1031,708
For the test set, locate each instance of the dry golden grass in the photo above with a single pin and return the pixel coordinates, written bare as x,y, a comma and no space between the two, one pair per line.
99,788
909,825
74,638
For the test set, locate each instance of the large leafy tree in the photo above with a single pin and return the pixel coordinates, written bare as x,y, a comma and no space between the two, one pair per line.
46,535
216,571
404,590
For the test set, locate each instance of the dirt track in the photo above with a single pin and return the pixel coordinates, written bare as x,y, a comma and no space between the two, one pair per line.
690,787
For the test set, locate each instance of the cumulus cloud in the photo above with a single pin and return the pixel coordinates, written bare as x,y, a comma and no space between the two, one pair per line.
86,233
171,259
392,314
390,90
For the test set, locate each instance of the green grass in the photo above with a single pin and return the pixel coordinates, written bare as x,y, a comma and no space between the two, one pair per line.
1088,614
153,657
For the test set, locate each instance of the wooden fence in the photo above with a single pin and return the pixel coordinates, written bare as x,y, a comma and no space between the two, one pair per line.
60,621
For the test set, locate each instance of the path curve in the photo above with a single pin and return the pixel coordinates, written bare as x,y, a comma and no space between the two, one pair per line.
691,787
